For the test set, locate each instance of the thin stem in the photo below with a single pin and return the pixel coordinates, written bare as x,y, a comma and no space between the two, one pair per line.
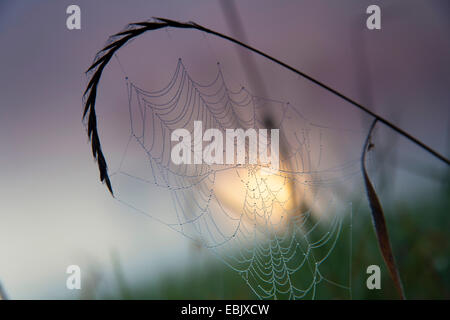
367,141
335,92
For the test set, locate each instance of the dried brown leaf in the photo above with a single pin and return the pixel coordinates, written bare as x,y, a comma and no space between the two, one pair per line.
379,221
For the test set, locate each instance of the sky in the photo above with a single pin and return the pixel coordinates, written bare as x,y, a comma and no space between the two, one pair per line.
54,211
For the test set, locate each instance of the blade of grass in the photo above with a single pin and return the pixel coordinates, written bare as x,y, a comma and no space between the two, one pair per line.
379,221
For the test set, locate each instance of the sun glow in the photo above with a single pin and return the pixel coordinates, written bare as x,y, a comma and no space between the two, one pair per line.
257,194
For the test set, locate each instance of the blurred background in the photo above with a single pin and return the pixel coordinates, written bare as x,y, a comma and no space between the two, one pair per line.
54,212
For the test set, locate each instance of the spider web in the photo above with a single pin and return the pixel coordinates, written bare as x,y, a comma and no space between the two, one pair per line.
275,229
